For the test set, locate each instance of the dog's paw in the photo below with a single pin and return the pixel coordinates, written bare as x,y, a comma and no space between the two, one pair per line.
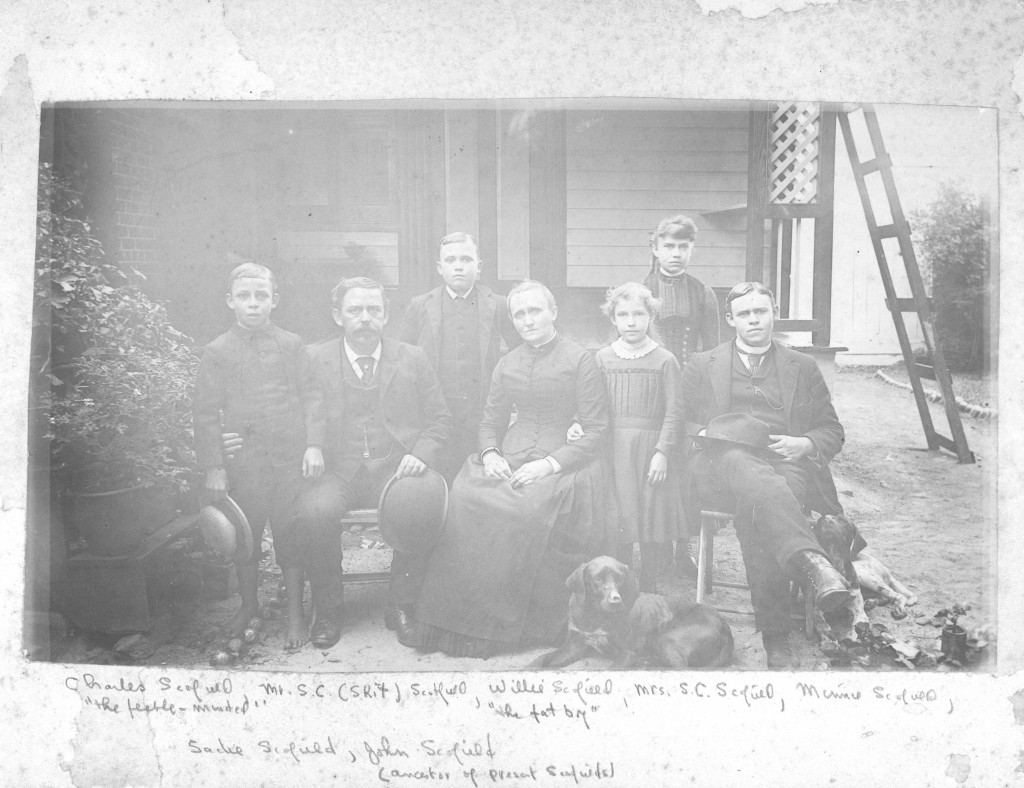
898,612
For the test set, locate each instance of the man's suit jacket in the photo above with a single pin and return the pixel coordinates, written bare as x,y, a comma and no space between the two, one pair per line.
707,391
412,405
421,326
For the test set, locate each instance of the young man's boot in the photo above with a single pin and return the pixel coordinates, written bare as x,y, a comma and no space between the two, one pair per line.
817,575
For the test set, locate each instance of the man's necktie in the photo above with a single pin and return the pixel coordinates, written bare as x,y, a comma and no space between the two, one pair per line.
366,365
755,363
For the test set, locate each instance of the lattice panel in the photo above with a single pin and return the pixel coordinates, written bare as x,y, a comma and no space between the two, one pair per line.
793,144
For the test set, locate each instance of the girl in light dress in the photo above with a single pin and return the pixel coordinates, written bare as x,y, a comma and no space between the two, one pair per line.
647,447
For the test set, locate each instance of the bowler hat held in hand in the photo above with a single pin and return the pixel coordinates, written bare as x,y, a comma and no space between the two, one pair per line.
739,429
226,529
412,511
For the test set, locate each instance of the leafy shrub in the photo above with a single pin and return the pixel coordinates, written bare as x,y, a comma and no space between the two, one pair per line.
120,375
953,243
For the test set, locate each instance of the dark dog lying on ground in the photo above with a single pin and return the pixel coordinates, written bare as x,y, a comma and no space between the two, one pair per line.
842,542
609,616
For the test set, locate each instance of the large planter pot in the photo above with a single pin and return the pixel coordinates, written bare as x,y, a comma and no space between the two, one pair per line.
117,522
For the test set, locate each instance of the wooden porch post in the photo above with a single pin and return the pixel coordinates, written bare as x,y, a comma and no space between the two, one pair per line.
757,191
548,198
421,174
487,190
821,292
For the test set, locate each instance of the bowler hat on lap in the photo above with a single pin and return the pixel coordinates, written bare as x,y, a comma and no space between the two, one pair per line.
738,429
412,511
226,529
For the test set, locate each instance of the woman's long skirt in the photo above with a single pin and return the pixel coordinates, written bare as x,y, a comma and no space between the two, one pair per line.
496,579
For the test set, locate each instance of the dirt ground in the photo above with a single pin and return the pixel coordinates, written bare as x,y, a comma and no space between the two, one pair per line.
928,518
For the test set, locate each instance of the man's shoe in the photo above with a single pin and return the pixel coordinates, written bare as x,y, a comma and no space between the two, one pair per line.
326,629
398,617
408,634
831,591
776,646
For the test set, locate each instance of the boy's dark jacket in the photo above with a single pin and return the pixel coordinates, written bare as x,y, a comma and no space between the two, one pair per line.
221,404
421,326
411,402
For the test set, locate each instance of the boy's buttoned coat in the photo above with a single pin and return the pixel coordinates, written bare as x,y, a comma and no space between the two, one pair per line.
421,326
223,403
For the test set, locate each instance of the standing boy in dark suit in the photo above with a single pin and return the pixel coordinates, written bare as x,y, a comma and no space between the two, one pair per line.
254,382
464,328
386,417
758,377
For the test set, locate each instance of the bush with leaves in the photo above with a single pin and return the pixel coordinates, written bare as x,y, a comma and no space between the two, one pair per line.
113,374
951,235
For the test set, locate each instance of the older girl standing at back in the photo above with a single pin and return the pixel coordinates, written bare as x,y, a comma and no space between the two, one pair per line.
688,318
648,433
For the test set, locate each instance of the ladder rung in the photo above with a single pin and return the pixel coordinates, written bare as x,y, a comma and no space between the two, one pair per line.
875,164
906,304
925,371
888,231
944,442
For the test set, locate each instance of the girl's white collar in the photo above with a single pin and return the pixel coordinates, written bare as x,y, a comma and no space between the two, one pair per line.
630,352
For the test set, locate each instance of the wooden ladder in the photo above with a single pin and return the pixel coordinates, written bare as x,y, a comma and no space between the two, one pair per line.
919,301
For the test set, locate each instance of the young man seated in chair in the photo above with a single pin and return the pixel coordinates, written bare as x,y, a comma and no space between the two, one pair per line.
765,431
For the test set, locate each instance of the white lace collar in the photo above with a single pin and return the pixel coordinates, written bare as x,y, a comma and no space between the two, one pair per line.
630,352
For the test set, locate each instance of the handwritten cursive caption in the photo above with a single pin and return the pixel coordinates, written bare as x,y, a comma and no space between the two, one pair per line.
491,706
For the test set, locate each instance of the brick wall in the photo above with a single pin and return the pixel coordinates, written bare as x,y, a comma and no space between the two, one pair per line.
133,182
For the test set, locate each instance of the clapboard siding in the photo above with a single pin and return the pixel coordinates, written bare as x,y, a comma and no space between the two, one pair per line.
658,179
656,139
640,238
727,119
662,161
616,255
626,171
664,200
583,218
635,271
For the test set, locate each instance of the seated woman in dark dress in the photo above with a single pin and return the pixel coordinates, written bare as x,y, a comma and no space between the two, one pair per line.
527,510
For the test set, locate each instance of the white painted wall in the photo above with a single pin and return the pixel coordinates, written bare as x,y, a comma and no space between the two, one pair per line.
927,145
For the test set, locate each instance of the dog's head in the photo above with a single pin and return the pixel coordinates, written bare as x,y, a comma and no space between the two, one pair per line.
604,584
841,541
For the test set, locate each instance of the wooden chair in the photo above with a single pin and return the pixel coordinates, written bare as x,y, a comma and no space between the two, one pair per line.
710,522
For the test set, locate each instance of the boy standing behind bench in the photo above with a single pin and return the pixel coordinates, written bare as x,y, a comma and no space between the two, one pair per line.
254,380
